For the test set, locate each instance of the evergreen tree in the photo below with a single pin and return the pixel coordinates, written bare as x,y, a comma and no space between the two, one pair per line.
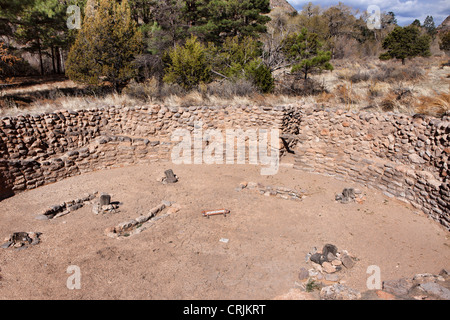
429,26
389,19
215,20
106,46
241,58
444,43
406,42
41,27
416,23
10,13
187,65
304,51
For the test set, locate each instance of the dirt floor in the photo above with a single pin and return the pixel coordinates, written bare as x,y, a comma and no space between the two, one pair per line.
182,257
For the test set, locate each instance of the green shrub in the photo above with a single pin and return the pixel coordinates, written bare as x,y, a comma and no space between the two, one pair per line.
260,75
187,65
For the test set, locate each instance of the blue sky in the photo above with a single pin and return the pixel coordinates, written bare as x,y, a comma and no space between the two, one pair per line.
406,11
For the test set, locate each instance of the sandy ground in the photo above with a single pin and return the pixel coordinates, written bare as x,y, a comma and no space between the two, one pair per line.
181,257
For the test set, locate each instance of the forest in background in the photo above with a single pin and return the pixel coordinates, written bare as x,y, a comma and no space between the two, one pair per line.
152,49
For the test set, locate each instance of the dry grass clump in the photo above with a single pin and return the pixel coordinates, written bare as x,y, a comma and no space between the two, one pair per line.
228,89
392,73
435,106
398,99
346,94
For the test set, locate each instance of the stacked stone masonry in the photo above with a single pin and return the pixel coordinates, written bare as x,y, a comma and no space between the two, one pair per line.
406,157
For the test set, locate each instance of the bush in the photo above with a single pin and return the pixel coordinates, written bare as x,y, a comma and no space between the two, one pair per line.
359,77
240,59
147,90
389,73
228,89
290,85
187,65
261,75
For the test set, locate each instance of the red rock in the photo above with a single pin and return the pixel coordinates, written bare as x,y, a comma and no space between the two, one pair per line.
384,295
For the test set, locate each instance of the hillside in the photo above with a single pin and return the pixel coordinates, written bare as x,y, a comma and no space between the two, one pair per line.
282,4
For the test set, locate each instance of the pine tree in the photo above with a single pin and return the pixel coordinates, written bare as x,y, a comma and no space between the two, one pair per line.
429,26
215,20
106,46
406,42
41,27
241,58
187,65
304,51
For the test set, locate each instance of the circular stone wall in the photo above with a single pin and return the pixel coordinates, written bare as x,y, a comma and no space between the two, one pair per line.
405,157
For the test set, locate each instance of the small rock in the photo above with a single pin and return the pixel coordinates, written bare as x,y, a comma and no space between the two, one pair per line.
347,261
303,274
172,210
105,199
95,208
415,158
332,277
336,262
329,248
307,257
330,257
339,292
170,176
436,289
317,266
252,185
318,258
313,272
385,295
328,267
41,217
399,287
444,272
6,245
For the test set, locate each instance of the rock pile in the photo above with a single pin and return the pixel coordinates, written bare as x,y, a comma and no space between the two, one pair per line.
64,208
349,195
135,226
423,286
279,192
329,261
325,267
21,240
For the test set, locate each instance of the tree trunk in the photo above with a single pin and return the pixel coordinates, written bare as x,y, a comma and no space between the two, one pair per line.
61,61
40,56
53,58
58,60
